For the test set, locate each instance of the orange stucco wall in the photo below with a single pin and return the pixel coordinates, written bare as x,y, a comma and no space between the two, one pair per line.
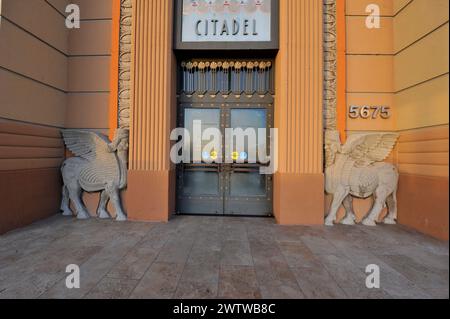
421,65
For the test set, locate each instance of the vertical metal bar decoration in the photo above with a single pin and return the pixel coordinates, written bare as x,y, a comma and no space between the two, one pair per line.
227,77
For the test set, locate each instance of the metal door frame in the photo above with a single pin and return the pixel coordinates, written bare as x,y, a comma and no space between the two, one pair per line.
225,103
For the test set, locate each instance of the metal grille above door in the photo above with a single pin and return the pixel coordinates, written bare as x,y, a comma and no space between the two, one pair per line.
226,77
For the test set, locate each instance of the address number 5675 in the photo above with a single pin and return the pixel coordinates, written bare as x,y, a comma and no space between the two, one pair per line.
370,112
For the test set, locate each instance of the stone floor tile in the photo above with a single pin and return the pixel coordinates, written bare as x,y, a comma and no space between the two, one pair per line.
176,251
196,290
219,257
277,281
159,282
236,253
134,264
297,254
317,283
238,282
111,288
422,275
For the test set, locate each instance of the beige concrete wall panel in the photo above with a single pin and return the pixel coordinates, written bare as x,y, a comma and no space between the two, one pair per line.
95,9
26,100
423,204
40,19
29,141
87,111
424,60
12,152
370,74
424,151
24,54
400,5
93,38
89,74
423,105
40,191
433,146
27,146
29,163
425,134
59,5
419,19
358,7
362,40
424,170
424,158
14,127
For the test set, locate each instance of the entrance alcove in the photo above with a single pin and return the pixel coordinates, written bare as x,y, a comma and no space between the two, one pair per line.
298,196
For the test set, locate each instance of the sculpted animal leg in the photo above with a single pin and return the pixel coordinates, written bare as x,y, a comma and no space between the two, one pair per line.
380,203
391,218
75,196
115,199
102,212
65,202
350,217
338,197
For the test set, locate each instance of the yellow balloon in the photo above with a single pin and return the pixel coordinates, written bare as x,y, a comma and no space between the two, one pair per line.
235,156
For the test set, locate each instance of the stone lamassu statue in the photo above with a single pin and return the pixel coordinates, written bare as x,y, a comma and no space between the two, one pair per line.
357,169
99,166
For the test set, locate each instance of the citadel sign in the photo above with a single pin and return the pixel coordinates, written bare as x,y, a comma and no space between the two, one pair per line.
216,29
227,24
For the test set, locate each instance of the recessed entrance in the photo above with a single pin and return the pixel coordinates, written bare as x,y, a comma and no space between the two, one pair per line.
225,95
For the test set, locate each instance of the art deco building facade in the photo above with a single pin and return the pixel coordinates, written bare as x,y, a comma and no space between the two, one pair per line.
312,66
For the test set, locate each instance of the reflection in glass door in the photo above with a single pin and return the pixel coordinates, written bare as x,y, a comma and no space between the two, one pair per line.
248,192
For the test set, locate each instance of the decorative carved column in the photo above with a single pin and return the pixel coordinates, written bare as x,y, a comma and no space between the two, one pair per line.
330,64
126,13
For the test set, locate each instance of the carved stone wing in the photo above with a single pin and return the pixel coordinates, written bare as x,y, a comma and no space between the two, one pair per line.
366,149
86,144
103,166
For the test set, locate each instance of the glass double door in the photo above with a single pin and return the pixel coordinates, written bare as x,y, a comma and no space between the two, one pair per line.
223,179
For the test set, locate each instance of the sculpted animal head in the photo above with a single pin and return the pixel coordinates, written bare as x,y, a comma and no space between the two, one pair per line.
332,146
120,141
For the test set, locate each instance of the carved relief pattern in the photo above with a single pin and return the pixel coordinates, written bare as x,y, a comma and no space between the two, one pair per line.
330,64
126,12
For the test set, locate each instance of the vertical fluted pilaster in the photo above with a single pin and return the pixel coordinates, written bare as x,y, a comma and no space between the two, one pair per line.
152,76
299,93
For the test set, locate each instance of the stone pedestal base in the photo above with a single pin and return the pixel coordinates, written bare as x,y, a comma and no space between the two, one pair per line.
150,195
299,199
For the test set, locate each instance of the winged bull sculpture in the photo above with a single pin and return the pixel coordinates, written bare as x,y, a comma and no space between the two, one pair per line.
98,166
357,169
